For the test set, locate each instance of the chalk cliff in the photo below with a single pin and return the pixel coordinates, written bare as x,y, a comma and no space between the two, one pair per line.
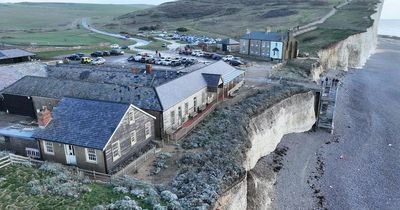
352,52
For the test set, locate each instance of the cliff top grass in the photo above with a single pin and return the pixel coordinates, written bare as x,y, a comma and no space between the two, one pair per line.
351,19
224,139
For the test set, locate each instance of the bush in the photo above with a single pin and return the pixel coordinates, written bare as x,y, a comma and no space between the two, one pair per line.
182,29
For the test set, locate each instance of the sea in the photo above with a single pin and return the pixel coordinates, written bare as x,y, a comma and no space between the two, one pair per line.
389,27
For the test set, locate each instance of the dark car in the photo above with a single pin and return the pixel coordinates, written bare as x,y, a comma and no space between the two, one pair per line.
216,57
80,54
106,53
116,52
73,57
235,63
131,59
124,47
175,63
97,54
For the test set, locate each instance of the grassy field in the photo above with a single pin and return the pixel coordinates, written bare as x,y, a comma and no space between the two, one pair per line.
351,19
224,18
15,193
71,37
57,24
26,16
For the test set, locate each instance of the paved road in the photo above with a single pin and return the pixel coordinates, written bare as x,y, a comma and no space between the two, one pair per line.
139,42
358,167
173,45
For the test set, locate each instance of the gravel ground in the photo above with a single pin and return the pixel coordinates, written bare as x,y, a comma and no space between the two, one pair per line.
357,167
11,73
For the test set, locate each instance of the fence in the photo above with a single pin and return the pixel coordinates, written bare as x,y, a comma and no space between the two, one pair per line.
97,176
138,162
182,132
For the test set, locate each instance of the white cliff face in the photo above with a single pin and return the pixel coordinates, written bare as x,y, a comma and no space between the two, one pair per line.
292,115
352,52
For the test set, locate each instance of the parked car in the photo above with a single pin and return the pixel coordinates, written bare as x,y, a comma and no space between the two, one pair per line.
196,52
96,54
164,45
160,61
116,52
106,53
216,57
74,57
167,62
235,63
114,46
80,54
86,60
227,58
98,61
125,47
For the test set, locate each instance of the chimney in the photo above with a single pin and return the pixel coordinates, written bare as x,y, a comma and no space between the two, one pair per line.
44,117
149,69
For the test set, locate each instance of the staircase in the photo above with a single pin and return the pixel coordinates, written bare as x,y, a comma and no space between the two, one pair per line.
327,106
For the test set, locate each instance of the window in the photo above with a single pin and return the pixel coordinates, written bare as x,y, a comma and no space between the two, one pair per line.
147,130
32,153
131,117
180,112
195,103
91,155
172,117
116,150
48,147
133,138
186,108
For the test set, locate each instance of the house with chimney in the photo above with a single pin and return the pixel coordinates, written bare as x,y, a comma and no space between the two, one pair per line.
269,45
90,134
174,98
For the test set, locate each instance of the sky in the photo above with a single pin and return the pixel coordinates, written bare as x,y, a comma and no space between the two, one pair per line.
390,8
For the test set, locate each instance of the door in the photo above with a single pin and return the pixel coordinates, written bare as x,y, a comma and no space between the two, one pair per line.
70,154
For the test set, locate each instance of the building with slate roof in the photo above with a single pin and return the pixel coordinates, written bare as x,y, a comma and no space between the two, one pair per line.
270,45
94,135
193,92
8,56
172,102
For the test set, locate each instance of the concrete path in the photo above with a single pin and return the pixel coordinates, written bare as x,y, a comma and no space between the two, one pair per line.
313,25
139,42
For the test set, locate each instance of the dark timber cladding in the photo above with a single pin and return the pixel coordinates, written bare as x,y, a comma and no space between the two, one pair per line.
44,89
113,131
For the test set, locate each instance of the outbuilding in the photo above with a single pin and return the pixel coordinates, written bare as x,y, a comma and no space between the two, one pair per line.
9,56
229,45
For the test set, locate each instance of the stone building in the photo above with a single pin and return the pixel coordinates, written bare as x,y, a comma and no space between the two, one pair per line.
270,45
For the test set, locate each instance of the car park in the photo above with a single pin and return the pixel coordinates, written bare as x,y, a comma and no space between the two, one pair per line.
98,61
86,60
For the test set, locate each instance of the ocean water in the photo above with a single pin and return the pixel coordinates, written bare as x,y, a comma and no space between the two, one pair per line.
389,27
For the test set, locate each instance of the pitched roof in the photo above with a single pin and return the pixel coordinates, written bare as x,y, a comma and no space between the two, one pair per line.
84,123
183,87
266,36
14,53
212,80
142,97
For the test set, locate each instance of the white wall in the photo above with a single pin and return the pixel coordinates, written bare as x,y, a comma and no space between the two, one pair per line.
209,97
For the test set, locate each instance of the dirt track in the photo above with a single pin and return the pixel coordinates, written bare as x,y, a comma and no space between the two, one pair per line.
357,167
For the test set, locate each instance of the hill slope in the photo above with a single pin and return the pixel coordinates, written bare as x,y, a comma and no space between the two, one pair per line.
224,17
